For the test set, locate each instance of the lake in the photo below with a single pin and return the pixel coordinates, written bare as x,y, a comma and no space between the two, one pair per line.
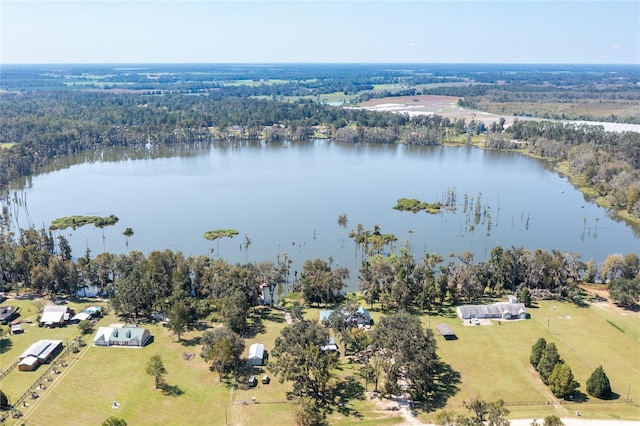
287,198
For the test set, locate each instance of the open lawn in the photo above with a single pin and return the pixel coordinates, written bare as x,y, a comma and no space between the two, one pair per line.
492,362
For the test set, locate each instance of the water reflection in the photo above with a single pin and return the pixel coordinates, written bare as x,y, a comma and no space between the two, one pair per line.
287,197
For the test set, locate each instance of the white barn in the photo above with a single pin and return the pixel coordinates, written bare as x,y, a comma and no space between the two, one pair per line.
54,315
256,354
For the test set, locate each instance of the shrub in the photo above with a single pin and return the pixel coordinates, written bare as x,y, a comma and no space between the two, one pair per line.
4,400
85,327
548,361
598,384
536,352
552,421
114,421
525,297
561,381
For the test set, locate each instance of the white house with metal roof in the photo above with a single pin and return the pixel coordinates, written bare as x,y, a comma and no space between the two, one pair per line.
499,310
122,336
55,315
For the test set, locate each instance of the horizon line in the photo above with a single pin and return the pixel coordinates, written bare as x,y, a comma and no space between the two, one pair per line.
318,63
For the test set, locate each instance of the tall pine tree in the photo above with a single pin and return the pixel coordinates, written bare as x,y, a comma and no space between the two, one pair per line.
598,384
550,357
536,352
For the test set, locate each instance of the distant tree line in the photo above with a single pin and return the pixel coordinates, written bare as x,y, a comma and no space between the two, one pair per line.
606,162
40,127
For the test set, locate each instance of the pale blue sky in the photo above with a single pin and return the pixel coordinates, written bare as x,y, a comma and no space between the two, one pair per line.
418,31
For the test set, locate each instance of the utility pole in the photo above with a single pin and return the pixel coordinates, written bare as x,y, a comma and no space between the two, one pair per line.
548,325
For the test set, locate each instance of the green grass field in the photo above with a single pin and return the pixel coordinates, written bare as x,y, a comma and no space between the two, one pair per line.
492,361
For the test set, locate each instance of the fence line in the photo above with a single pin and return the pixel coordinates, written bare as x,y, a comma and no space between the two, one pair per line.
8,370
38,384
275,401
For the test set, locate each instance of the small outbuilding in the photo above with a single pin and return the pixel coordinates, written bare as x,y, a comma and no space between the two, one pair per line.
88,313
331,346
82,316
446,331
256,354
364,317
8,314
16,329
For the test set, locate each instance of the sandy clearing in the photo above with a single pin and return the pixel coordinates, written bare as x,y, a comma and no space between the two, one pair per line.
447,106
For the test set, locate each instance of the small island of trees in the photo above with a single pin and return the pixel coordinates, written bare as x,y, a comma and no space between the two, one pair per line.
415,205
79,221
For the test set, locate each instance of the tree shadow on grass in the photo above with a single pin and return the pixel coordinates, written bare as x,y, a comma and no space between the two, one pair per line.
191,342
446,385
613,397
254,327
5,345
579,397
344,392
270,314
444,311
172,390
579,302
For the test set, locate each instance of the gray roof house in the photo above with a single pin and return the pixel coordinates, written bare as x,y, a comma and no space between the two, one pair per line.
53,315
499,310
362,317
8,313
122,336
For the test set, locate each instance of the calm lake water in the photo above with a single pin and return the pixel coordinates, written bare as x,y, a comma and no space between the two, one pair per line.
287,198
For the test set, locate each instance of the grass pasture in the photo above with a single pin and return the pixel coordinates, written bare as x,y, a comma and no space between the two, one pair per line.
492,362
